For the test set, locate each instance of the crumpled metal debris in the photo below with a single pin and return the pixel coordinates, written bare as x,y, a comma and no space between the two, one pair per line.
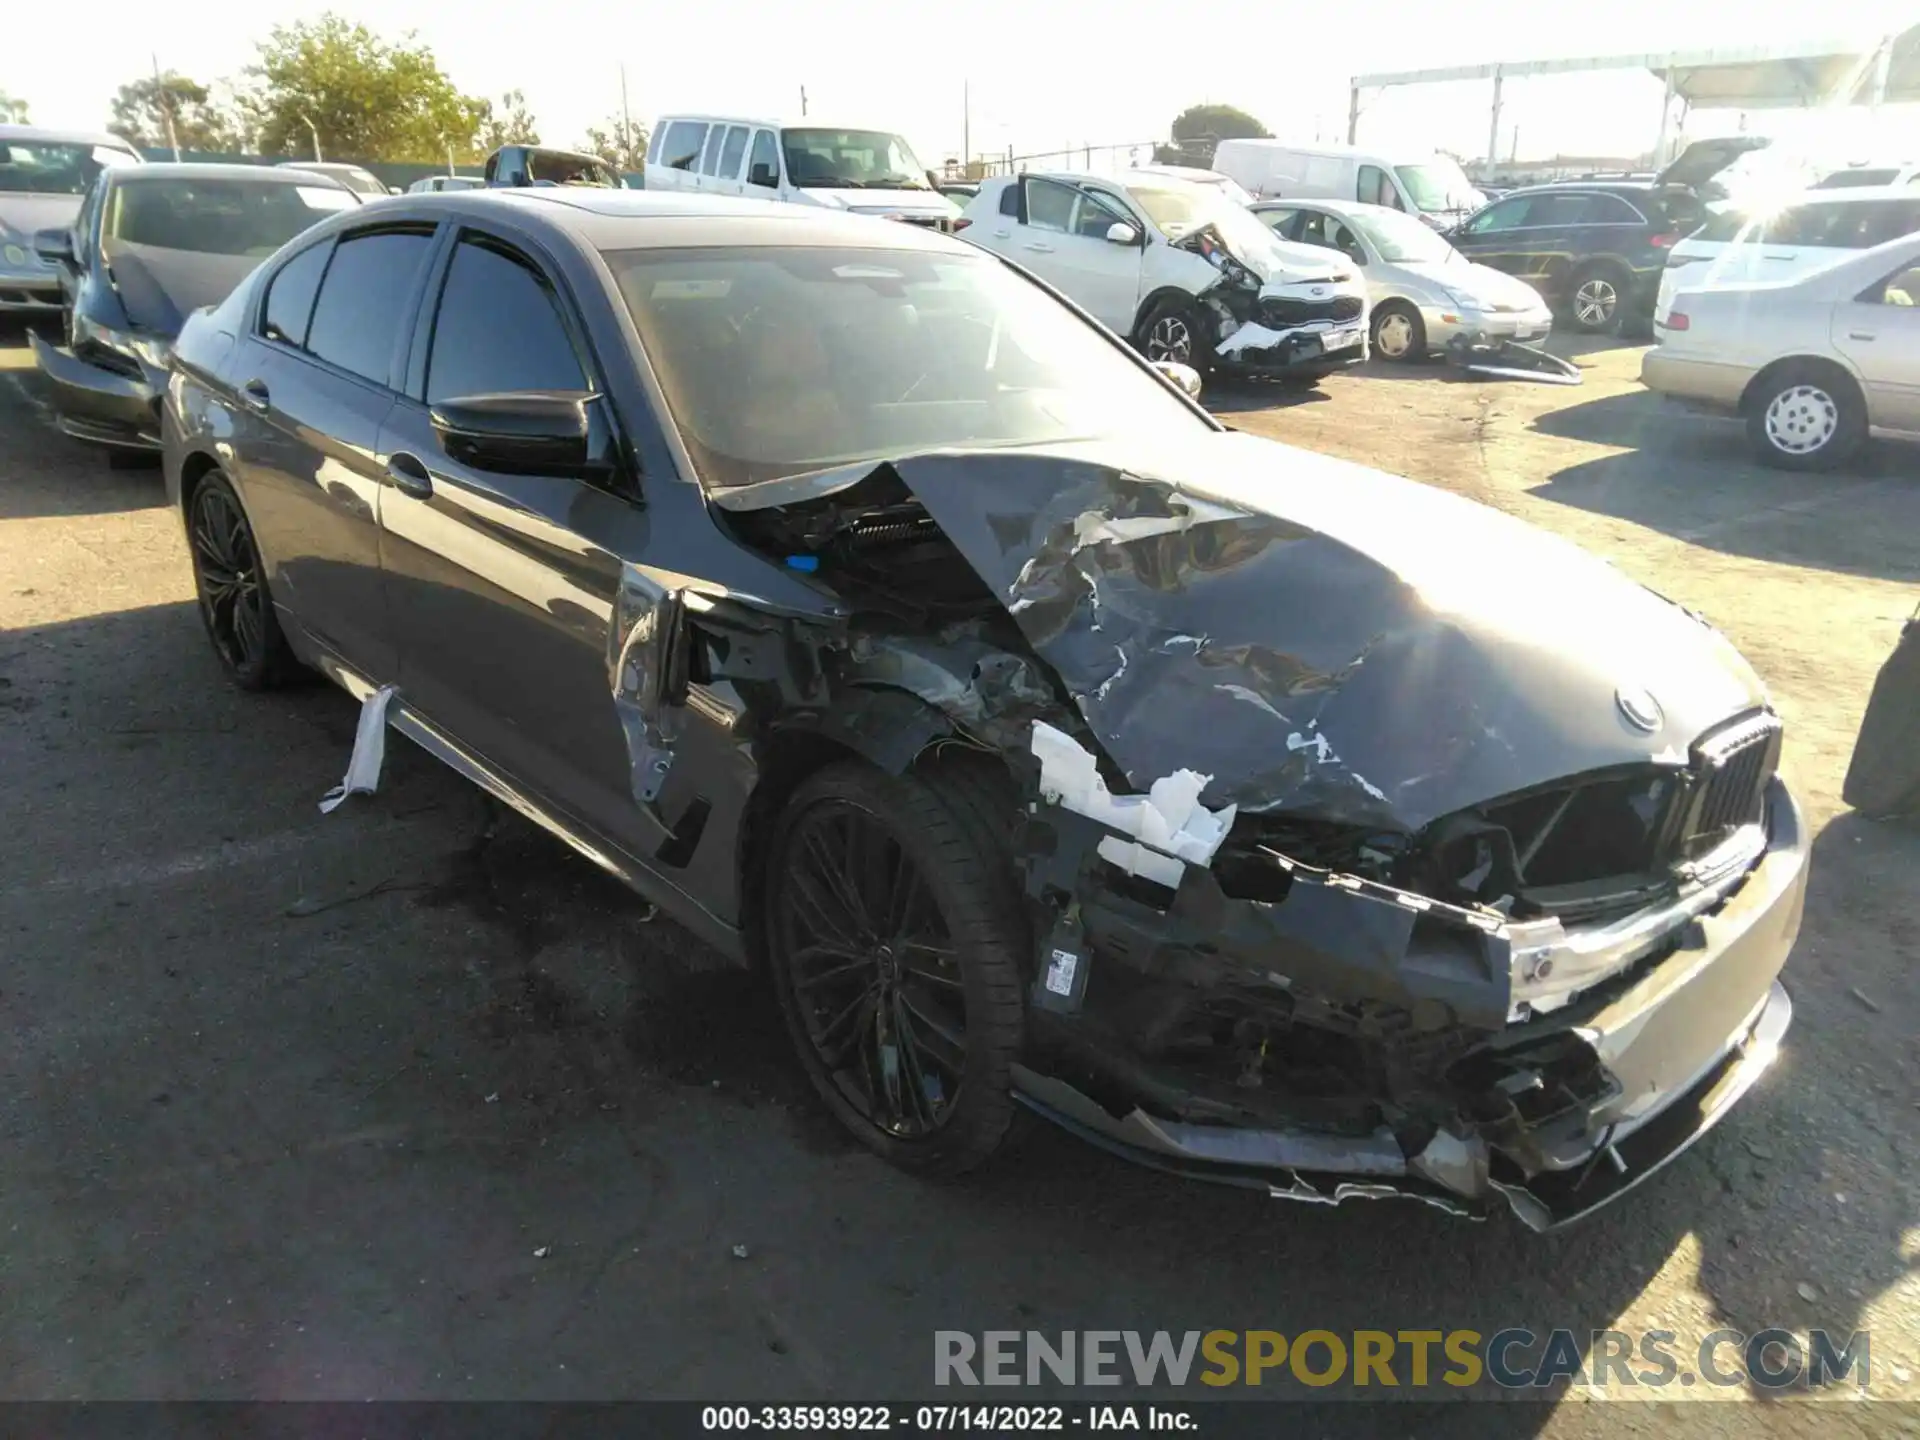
1510,360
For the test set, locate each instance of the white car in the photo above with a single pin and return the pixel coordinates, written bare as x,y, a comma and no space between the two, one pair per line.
1810,231
434,184
1812,364
1868,175
1181,271
1422,292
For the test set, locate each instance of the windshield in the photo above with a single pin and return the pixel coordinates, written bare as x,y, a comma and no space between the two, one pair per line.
218,217
39,167
1438,184
553,167
1178,209
1857,179
779,361
851,160
1401,239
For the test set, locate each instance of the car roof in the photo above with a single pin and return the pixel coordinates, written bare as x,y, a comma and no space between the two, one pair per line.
319,166
50,136
1332,207
606,219
192,170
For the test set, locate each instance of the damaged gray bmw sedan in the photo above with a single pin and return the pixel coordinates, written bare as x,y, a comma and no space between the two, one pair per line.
888,622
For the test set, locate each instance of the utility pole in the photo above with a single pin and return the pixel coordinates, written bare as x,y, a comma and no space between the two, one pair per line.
803,100
166,106
966,126
626,123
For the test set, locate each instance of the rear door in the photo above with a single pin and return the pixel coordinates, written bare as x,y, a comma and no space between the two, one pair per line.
503,587
315,379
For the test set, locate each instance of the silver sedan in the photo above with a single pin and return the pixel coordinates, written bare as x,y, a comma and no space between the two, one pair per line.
1422,292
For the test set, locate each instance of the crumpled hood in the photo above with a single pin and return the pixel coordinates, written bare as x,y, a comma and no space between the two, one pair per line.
161,287
1320,638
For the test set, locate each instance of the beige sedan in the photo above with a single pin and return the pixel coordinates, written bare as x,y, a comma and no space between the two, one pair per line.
1812,364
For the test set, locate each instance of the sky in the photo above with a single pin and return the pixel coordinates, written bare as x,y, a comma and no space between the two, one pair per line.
1036,75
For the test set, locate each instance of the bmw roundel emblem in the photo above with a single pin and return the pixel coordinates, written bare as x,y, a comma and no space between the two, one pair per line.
1641,710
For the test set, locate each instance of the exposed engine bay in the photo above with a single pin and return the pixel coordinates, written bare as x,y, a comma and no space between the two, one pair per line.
1276,322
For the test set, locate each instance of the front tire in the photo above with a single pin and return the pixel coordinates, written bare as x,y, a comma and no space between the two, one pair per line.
1174,329
235,605
894,935
1806,417
1399,334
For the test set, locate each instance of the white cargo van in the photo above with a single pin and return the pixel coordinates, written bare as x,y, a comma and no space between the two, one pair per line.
868,172
1431,186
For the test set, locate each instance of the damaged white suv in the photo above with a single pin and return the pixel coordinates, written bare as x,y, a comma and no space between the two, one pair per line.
1180,270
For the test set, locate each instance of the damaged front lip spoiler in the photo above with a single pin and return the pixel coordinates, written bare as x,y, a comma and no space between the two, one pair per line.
1367,1170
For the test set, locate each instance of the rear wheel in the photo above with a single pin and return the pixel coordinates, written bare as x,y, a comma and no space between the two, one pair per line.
894,936
1806,416
1399,334
235,606
1594,299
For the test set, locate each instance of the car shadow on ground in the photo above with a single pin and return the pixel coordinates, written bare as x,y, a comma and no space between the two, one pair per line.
1690,475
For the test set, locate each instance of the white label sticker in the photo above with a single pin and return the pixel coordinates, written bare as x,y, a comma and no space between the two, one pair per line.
1340,340
1060,971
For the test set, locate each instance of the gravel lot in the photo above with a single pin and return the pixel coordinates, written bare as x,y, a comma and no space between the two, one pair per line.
395,1103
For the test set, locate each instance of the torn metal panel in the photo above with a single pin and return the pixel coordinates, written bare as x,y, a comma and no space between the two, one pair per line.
1510,360
1321,639
648,674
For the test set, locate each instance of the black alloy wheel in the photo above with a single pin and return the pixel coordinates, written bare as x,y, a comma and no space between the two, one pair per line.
892,932
234,603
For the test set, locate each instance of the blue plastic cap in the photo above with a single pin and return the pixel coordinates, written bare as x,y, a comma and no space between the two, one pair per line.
805,563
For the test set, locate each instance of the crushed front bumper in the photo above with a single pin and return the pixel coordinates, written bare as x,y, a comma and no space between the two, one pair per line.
102,406
1443,324
1681,1042
1256,349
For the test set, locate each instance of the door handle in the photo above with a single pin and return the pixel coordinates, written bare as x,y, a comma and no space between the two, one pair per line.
1860,334
409,476
1036,245
254,396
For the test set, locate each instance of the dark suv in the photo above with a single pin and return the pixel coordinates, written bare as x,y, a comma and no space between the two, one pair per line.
1594,249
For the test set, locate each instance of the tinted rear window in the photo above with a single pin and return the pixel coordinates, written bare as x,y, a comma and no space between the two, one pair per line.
1858,179
363,300
1839,225
219,217
291,292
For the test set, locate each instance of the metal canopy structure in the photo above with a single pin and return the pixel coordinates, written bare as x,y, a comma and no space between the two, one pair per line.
1781,77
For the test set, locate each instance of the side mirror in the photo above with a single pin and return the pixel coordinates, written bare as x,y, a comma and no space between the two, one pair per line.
54,245
1121,233
763,174
1185,376
529,432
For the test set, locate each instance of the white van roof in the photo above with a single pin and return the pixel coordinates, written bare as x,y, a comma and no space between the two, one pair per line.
1336,151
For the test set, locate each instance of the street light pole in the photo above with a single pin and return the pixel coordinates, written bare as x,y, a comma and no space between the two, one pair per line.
166,107
314,131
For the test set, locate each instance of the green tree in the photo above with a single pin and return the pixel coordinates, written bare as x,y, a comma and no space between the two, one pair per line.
620,142
141,108
511,124
12,111
331,82
1198,129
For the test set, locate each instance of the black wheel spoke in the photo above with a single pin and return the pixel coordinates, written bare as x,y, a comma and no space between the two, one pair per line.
871,969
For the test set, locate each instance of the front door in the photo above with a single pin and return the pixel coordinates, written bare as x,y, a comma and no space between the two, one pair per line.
1880,333
504,588
314,387
1061,235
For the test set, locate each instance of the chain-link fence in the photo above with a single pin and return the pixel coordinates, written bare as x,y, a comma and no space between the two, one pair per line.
1096,159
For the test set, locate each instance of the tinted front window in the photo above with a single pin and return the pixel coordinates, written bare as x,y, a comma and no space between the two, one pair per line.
681,149
363,300
39,167
290,295
218,217
1503,215
498,330
852,160
780,361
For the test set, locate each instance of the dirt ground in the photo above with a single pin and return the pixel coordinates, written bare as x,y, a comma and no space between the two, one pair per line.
390,1103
